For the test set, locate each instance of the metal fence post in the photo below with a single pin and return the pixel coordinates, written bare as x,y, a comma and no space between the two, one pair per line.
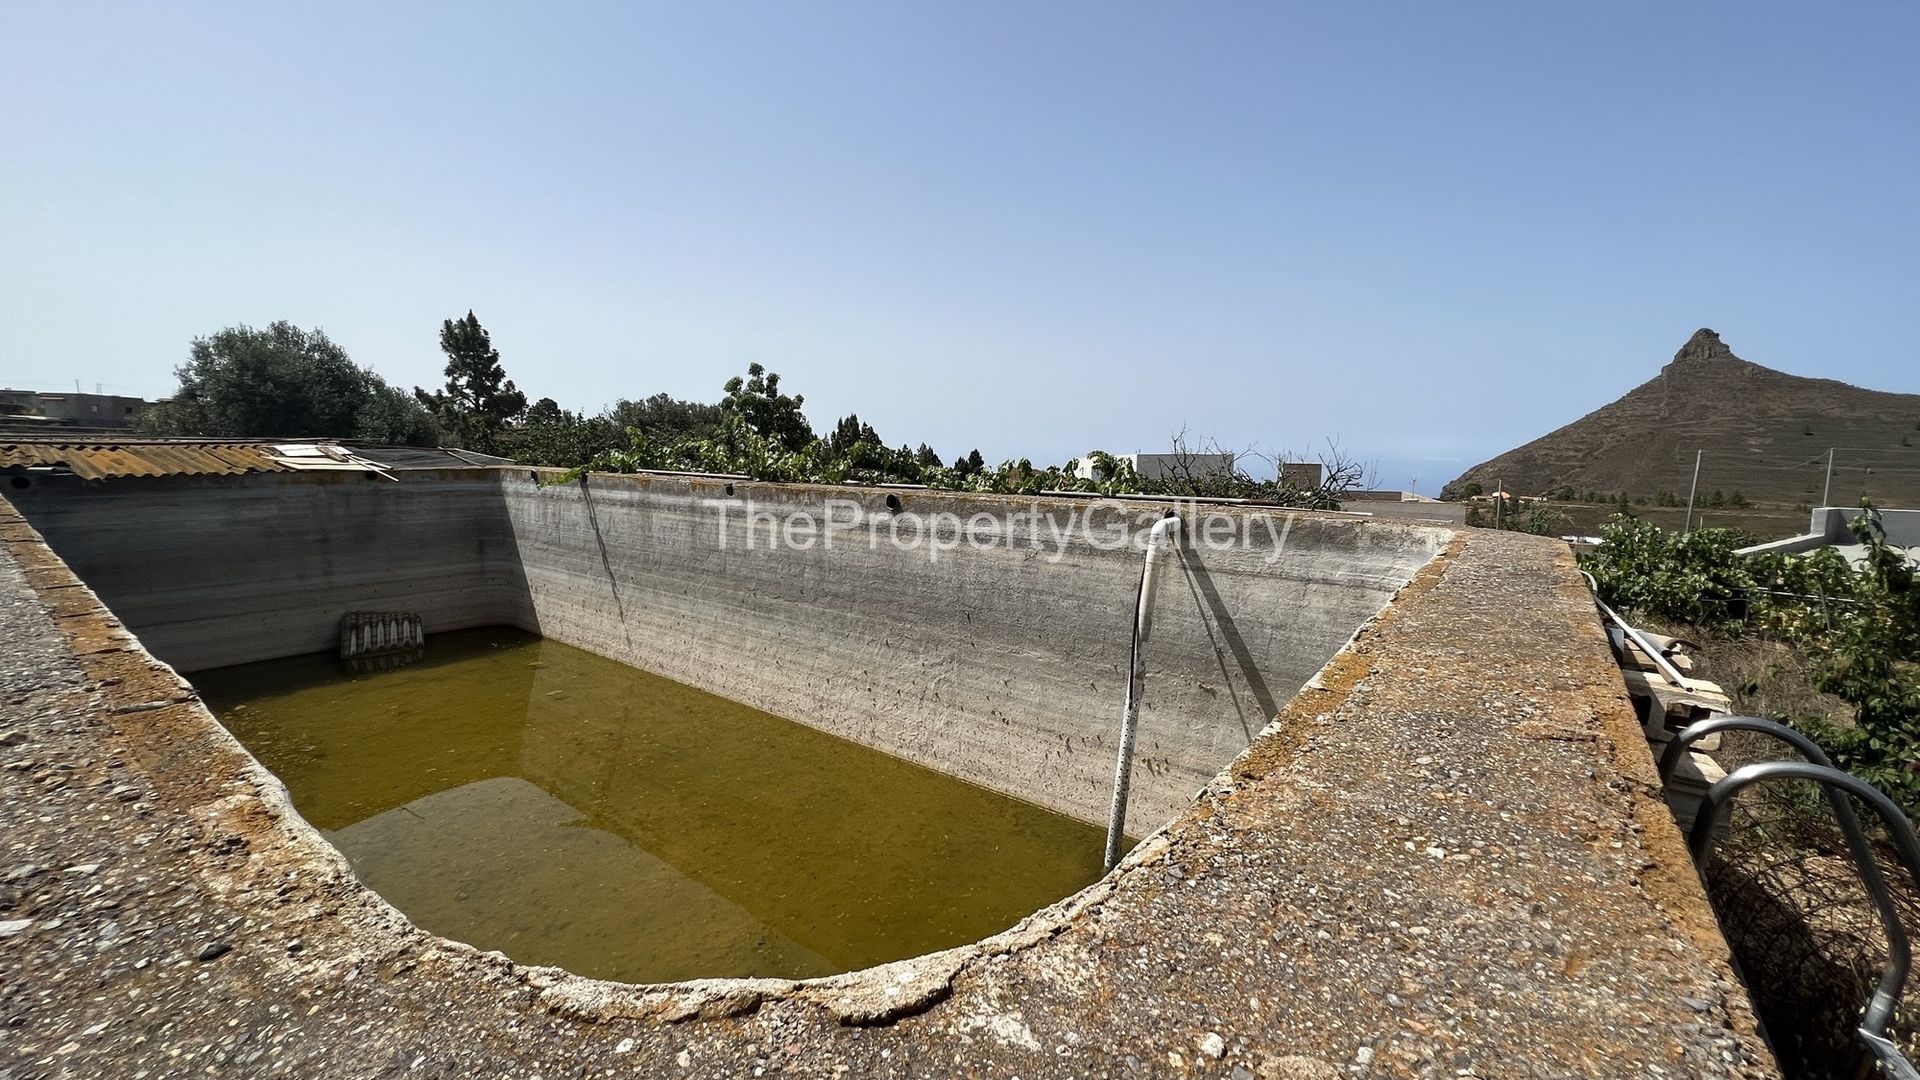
1694,490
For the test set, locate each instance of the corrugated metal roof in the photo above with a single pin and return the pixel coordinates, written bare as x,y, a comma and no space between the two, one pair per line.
100,460
180,457
426,457
97,459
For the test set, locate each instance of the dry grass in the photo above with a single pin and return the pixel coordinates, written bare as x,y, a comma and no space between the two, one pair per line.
1809,943
1765,678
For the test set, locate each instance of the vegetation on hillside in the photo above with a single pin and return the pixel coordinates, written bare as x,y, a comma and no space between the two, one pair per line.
284,381
1857,625
762,433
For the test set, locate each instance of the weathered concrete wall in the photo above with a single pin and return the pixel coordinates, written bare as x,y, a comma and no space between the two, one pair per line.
1001,660
1832,526
1434,865
220,570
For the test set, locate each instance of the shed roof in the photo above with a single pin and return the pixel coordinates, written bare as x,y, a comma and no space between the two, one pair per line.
99,460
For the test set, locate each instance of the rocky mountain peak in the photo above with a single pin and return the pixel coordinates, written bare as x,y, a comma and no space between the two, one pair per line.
1704,345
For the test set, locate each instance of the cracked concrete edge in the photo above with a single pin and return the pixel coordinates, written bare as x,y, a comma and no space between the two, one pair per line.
258,802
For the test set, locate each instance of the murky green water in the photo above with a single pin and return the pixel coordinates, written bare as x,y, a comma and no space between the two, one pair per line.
523,795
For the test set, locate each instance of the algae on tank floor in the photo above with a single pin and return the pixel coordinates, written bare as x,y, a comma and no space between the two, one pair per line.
523,795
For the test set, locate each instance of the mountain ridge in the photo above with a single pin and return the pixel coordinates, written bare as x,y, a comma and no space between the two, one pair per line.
1759,428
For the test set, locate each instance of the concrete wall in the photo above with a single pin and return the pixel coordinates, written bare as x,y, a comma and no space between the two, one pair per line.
1001,661
1833,526
220,570
1432,512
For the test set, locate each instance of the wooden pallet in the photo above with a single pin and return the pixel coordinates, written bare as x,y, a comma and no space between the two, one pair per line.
1665,708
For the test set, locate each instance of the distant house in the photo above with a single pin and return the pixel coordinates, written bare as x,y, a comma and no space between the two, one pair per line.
1161,466
36,409
1301,475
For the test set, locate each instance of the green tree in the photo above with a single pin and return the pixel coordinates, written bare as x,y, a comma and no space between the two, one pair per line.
391,415
287,382
848,431
767,412
927,459
479,401
665,419
551,435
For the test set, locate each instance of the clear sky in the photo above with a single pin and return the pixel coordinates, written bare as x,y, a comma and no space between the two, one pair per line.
1431,231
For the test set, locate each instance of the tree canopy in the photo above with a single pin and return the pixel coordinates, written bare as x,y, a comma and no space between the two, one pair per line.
479,401
767,412
282,381
667,418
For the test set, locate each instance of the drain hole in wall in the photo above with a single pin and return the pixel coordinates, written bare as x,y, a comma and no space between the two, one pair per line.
893,503
21,483
729,489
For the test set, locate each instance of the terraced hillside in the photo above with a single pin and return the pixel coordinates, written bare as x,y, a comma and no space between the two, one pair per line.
1765,433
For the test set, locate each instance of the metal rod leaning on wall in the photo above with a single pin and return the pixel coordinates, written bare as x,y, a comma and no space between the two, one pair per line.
1157,540
1713,809
1667,670
1899,953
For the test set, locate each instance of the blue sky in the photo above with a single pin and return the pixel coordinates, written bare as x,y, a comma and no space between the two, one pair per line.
1430,231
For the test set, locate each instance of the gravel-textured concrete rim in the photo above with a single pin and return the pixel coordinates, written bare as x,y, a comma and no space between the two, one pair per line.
1446,857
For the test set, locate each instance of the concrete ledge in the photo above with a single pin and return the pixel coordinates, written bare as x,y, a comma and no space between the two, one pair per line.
1446,858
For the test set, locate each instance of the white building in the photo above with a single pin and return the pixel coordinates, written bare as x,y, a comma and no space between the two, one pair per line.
1159,466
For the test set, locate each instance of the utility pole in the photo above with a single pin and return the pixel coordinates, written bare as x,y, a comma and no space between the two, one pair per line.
1694,490
1826,493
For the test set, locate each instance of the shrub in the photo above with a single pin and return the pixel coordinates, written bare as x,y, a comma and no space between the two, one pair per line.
1858,622
1680,577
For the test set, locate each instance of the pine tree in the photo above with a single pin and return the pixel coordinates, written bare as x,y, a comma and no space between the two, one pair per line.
479,401
850,431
